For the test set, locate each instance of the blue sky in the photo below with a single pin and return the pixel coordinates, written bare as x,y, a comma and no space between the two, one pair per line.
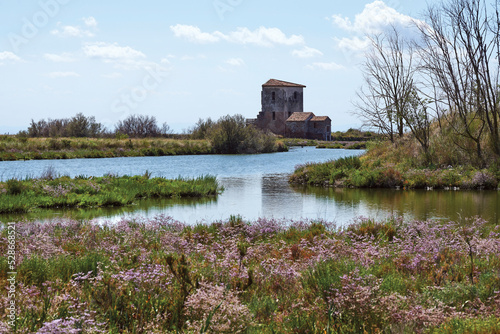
183,60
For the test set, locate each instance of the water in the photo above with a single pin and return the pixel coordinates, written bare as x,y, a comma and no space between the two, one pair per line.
256,186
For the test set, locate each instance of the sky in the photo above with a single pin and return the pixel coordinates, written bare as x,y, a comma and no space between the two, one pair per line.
184,60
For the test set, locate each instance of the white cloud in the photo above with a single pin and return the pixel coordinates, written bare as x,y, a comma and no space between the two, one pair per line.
235,62
111,52
375,18
62,58
90,22
77,31
194,34
325,66
63,74
307,52
262,36
7,55
71,31
122,57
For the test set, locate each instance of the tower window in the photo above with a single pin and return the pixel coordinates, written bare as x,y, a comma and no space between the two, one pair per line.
273,94
274,115
295,95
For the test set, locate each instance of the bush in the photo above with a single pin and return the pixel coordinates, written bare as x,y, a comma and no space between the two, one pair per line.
77,126
140,126
14,187
483,180
231,135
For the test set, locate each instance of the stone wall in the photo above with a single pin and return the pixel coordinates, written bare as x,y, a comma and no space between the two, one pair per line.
286,99
320,130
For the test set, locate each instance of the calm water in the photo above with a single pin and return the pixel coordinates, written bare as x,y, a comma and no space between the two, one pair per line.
256,186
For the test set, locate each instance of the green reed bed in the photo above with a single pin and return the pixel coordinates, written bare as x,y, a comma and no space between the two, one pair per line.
364,172
267,276
20,148
18,196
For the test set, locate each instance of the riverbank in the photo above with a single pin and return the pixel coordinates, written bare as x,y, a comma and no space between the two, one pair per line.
160,276
13,148
49,191
380,167
337,144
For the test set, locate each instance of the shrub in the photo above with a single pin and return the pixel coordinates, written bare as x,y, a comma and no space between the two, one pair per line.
483,180
390,178
140,126
14,187
351,162
231,135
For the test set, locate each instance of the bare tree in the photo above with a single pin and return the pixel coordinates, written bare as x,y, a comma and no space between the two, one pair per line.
141,126
418,120
388,73
371,109
460,59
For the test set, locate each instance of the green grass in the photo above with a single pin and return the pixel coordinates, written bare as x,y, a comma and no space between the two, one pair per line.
160,276
14,148
389,166
19,196
20,148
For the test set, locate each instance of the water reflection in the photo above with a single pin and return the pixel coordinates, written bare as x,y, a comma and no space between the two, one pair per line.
411,204
148,207
256,186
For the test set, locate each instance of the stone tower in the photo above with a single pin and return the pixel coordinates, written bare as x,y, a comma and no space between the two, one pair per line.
280,99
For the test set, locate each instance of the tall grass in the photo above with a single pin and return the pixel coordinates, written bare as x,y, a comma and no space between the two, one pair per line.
21,148
13,148
385,165
17,196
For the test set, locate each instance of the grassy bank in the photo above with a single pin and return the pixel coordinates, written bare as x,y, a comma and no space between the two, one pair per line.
348,145
160,276
20,148
18,196
351,139
387,165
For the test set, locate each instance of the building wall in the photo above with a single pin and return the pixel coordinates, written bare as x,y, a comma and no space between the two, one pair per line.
297,129
320,130
273,121
286,99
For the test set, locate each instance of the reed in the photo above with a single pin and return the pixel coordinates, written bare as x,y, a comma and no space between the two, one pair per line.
18,196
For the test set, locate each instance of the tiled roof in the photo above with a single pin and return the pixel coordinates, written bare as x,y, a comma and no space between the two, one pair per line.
299,116
279,83
319,118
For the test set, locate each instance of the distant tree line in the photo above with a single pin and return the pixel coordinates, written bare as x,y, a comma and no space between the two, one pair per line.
228,135
134,126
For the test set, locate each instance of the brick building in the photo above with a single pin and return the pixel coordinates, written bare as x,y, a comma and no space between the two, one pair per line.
283,113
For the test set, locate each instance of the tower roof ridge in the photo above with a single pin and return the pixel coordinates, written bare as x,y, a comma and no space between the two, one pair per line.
281,83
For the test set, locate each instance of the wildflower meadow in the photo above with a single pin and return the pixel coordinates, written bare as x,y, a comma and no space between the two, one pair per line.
267,276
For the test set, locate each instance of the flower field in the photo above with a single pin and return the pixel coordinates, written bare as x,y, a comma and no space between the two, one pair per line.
267,276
